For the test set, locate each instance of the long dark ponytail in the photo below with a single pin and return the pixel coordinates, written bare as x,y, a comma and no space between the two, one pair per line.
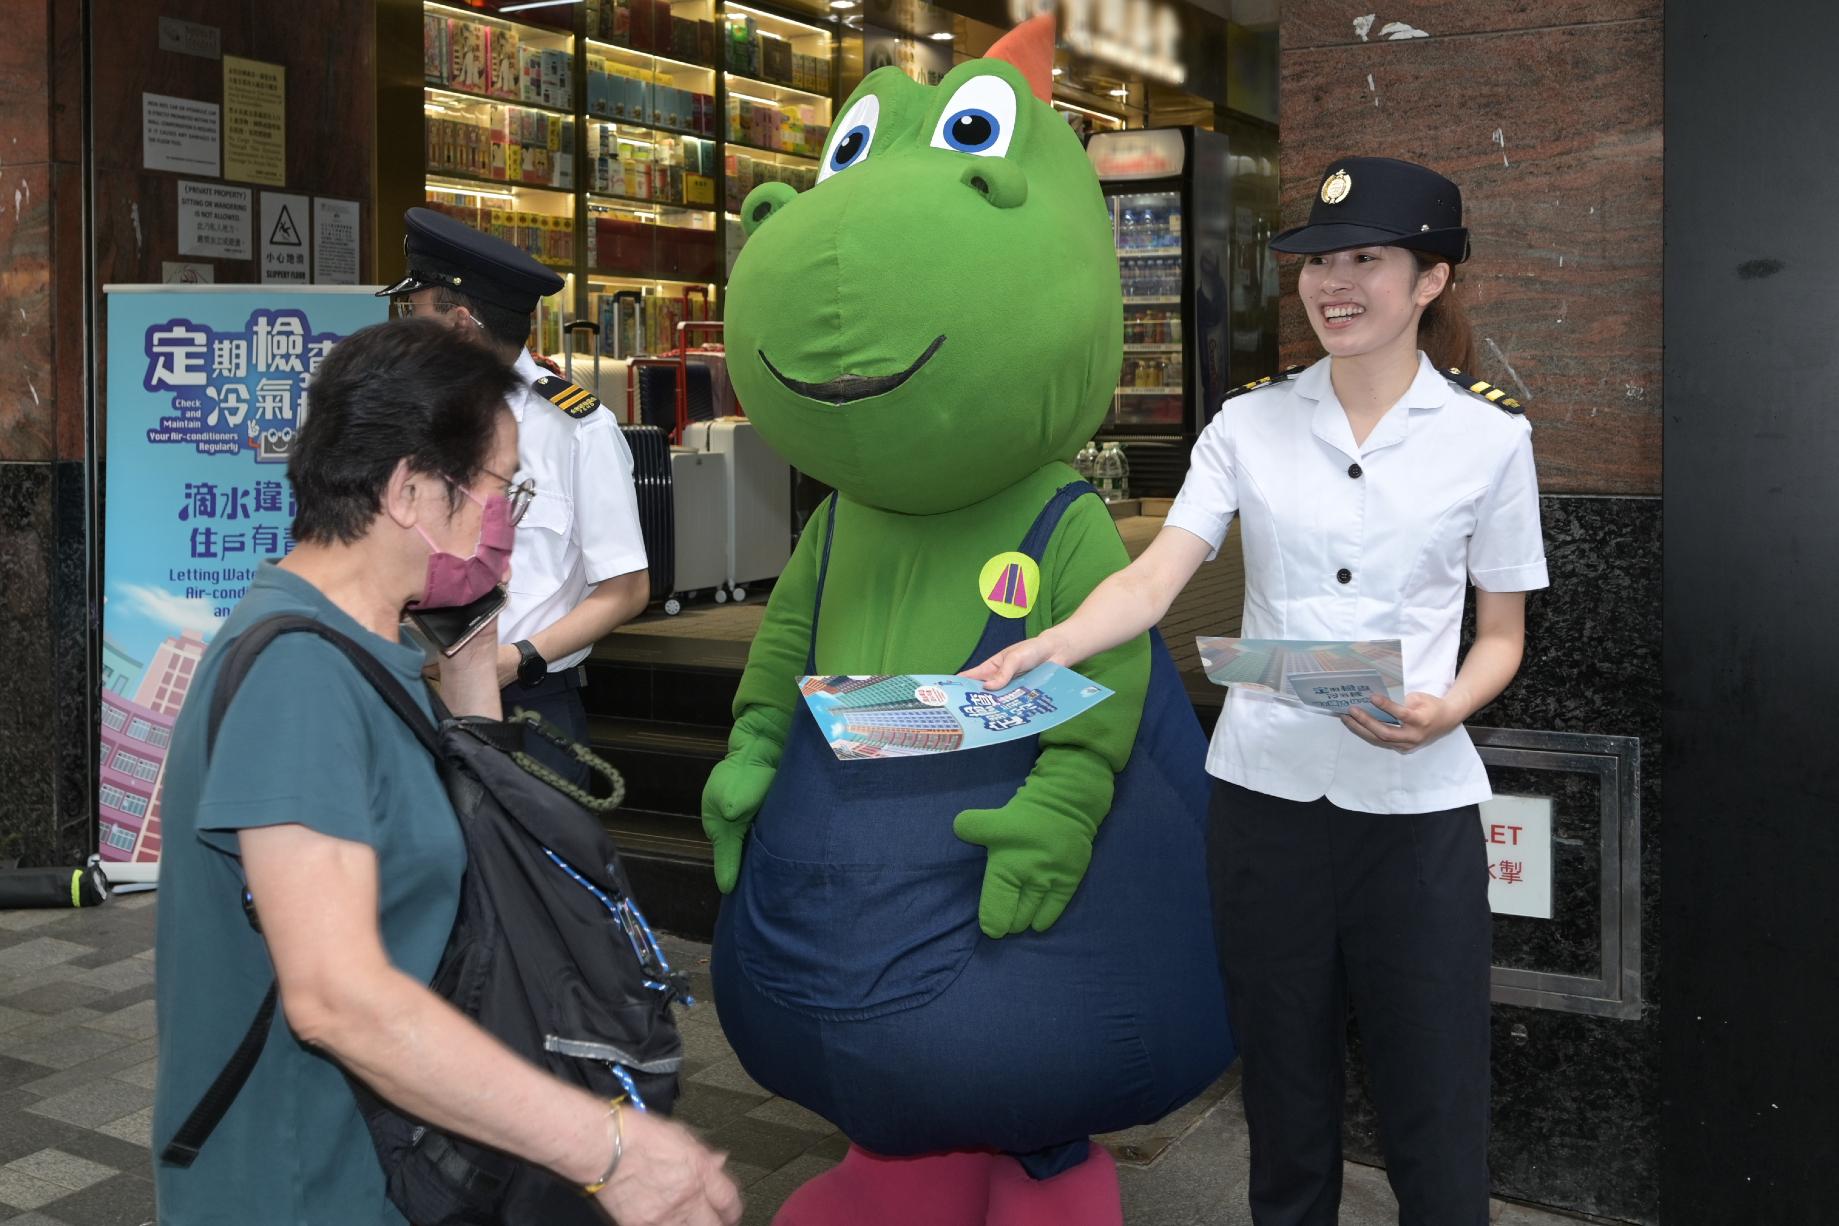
1444,331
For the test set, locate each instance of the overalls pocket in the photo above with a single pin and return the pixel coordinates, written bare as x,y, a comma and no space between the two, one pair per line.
853,941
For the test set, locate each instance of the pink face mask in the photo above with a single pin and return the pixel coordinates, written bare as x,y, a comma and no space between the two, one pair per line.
454,581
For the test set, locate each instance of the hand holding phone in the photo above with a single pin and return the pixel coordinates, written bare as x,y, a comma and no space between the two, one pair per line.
450,630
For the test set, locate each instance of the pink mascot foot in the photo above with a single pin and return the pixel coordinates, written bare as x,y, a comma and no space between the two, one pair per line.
949,1189
1087,1195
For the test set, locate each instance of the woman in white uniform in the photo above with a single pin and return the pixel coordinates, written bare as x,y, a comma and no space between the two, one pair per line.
1372,488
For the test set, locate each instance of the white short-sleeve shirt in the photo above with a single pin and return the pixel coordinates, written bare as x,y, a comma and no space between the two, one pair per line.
1375,541
583,525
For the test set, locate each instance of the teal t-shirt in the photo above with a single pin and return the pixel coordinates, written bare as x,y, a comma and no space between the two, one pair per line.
305,741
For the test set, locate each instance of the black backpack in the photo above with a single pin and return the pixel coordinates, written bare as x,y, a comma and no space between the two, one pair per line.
548,953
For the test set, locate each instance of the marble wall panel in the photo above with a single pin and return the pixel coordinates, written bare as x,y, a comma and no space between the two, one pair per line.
1328,23
69,352
1555,137
27,410
75,625
28,732
25,86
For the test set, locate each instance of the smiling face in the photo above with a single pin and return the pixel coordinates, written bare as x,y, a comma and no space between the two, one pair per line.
941,314
1367,299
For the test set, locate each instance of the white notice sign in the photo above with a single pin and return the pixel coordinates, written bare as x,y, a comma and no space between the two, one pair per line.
179,134
335,242
284,237
1518,832
214,220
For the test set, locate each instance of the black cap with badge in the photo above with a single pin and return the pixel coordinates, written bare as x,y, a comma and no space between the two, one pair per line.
443,252
1382,202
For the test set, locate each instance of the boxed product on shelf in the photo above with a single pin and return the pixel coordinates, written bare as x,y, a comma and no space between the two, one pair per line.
466,55
558,84
599,17
811,72
742,47
504,78
546,237
683,38
434,48
776,59
529,74
746,172
651,22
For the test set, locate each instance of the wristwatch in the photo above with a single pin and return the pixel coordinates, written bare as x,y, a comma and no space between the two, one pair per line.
533,667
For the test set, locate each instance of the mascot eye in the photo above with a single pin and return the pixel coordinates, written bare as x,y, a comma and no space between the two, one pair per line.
979,119
855,136
972,131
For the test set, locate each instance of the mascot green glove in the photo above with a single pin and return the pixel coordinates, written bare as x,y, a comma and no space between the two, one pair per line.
998,950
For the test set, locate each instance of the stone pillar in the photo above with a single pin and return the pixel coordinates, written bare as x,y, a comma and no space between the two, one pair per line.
47,735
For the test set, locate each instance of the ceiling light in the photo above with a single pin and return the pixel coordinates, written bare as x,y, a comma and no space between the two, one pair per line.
1059,72
943,36
1120,92
536,4
842,4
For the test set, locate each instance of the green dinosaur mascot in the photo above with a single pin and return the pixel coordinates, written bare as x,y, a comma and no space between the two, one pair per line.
968,962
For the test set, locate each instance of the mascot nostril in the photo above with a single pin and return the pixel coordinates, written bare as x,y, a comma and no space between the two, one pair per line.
998,180
968,963
762,203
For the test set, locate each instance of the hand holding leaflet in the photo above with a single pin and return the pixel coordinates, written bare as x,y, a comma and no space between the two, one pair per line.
903,715
1332,677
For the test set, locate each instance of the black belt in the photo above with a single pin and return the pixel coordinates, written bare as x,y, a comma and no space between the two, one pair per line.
552,683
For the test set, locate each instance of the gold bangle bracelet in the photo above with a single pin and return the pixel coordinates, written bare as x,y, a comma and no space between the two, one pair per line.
619,1149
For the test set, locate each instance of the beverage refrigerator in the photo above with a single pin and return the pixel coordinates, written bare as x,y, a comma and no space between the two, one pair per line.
1192,211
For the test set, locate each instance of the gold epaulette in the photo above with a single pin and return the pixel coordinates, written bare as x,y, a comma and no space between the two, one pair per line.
1289,372
1487,391
575,401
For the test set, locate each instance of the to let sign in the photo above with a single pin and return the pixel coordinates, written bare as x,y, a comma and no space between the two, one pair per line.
1518,834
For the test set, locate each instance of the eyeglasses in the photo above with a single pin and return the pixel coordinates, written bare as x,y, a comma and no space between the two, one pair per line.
519,494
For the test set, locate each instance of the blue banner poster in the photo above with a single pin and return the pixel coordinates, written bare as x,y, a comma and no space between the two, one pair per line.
908,715
206,387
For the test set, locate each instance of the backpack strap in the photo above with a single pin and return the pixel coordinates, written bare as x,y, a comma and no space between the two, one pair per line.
183,1149
242,654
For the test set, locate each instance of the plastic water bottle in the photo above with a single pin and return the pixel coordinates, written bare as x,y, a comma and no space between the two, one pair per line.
1108,472
1127,234
1086,462
1121,476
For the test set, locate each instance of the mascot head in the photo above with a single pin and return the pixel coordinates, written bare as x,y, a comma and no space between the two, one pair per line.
940,315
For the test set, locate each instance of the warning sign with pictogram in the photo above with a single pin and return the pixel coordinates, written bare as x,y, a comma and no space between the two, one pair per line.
284,243
284,234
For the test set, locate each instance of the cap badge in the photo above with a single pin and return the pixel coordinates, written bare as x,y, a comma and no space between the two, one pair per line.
1336,187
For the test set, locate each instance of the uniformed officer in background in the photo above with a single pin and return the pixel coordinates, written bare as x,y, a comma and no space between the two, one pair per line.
578,568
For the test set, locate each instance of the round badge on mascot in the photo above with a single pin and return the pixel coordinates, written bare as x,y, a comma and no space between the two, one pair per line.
969,963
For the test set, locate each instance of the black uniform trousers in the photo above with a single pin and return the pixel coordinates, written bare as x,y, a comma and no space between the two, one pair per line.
1318,907
557,698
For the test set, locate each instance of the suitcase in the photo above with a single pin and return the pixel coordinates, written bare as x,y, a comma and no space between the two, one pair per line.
658,393
758,505
699,496
651,480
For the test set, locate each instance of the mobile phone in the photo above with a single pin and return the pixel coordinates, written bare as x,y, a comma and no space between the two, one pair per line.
451,629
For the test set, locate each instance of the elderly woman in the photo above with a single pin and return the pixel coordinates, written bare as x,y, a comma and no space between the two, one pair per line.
319,799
